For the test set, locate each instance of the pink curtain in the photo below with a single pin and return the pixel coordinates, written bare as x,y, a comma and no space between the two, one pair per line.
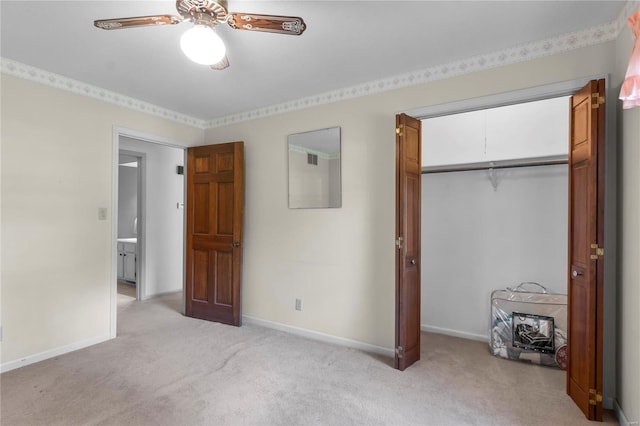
630,92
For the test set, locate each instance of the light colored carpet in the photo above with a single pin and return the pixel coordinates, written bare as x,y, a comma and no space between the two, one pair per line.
167,369
126,289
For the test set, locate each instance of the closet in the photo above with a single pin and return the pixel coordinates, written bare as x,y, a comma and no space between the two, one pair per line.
494,209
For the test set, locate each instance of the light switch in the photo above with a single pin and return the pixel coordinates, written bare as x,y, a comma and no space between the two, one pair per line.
102,213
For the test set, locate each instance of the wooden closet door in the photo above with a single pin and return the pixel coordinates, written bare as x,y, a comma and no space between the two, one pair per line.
586,236
408,207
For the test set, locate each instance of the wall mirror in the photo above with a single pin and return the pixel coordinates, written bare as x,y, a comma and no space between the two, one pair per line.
315,169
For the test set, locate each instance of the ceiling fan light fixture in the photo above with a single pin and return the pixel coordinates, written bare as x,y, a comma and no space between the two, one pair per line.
202,45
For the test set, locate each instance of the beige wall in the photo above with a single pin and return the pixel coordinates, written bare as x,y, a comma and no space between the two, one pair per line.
341,261
57,160
56,172
628,130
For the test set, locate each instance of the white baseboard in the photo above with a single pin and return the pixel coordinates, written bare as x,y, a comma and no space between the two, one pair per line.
316,335
31,359
454,333
162,293
622,419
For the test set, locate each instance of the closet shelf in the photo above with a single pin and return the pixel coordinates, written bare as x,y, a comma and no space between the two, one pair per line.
502,164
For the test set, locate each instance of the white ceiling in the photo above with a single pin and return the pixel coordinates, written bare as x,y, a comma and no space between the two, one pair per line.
346,43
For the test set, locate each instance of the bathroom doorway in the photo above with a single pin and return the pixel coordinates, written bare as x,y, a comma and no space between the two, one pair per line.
130,166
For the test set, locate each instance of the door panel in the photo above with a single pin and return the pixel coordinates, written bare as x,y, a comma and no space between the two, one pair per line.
225,209
408,206
215,209
223,267
586,225
200,208
201,273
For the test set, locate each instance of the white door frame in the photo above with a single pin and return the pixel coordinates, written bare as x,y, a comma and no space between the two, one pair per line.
140,249
565,88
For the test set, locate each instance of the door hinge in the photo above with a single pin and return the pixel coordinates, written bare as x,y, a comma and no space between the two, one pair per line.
400,351
599,252
594,397
597,100
399,129
399,242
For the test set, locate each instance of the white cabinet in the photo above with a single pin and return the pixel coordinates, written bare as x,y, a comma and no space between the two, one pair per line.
453,139
529,130
120,261
127,261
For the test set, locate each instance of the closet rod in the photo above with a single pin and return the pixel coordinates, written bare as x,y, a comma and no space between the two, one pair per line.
548,161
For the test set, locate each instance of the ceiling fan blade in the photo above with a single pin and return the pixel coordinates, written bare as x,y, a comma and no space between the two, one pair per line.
224,63
267,23
138,21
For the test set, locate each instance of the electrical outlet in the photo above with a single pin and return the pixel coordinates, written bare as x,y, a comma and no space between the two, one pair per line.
102,213
298,304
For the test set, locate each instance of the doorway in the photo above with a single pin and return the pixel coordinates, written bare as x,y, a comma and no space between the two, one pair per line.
494,212
159,237
606,210
494,215
130,221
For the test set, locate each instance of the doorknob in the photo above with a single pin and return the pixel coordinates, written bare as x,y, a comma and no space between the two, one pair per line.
575,274
413,261
235,245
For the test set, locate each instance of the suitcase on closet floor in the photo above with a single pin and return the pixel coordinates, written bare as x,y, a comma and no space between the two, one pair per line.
529,325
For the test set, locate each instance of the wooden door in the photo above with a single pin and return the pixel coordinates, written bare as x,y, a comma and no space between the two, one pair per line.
586,234
215,208
408,205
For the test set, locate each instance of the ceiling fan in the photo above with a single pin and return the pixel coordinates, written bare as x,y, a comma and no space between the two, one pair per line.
200,43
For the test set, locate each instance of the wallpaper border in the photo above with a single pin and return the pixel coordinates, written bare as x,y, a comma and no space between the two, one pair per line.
542,48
